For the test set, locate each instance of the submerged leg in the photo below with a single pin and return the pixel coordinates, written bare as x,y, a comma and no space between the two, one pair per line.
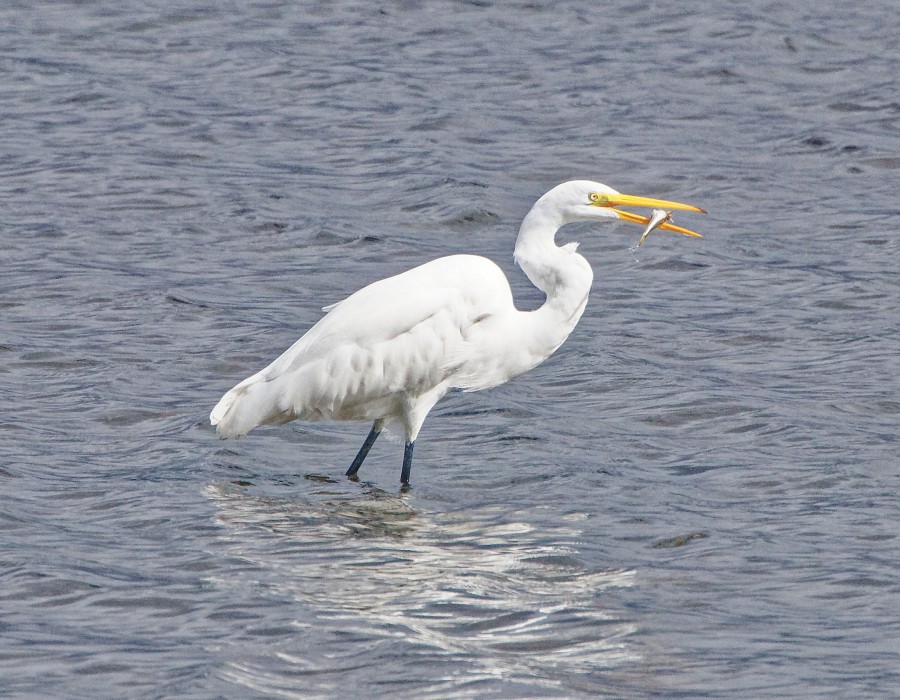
364,450
407,463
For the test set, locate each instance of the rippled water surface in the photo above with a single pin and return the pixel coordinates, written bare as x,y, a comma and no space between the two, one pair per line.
697,496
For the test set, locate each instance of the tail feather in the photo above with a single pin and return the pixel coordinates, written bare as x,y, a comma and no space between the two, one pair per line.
251,403
221,408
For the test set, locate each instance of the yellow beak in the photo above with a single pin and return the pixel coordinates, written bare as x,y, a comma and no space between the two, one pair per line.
627,200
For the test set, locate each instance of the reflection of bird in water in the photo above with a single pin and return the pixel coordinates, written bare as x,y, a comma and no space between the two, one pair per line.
390,351
504,593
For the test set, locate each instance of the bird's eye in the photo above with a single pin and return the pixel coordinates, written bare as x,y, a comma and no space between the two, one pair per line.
595,197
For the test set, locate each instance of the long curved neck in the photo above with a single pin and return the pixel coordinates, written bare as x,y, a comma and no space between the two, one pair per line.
561,273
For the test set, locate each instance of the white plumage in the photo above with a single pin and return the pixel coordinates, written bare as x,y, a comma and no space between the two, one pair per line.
390,351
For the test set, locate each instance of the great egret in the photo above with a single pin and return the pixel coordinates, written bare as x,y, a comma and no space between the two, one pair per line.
389,352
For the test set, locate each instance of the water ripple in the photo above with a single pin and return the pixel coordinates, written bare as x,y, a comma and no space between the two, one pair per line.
695,497
516,604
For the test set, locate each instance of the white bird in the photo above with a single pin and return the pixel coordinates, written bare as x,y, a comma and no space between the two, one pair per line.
389,352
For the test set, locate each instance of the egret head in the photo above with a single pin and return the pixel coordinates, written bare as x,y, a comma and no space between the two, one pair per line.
583,200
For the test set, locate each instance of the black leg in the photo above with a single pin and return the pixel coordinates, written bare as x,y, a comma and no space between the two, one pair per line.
364,450
407,463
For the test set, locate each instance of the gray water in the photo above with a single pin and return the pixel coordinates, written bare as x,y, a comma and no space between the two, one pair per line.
696,497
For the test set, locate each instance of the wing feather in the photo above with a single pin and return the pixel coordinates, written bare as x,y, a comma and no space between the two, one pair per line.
397,335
